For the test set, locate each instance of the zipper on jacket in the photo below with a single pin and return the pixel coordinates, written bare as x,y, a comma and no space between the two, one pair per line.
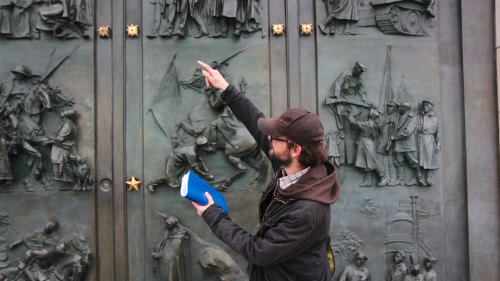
264,198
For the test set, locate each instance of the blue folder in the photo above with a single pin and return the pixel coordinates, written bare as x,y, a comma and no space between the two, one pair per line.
194,188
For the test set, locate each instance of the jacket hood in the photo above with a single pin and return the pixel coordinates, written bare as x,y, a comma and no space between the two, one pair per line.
319,184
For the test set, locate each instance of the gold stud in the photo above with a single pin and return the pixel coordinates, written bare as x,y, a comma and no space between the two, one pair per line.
306,28
104,31
132,30
278,28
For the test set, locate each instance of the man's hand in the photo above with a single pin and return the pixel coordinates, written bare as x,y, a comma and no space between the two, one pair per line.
213,77
199,208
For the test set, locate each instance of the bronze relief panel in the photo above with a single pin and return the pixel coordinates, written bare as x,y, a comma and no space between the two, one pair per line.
47,149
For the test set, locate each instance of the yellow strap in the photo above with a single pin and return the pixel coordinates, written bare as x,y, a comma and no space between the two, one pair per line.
331,260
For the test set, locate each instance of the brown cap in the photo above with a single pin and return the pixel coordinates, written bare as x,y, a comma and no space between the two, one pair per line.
297,124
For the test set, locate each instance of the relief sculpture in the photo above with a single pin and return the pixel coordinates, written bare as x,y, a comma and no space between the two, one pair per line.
49,257
170,254
25,100
390,140
405,231
400,271
357,271
404,17
214,18
181,253
62,18
191,138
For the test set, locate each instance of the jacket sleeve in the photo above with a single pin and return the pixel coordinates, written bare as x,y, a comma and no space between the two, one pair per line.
287,238
247,113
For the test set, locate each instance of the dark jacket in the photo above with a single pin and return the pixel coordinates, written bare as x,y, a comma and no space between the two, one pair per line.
292,241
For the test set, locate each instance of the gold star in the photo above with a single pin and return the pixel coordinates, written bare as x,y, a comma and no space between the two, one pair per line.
133,30
133,184
103,31
306,28
278,28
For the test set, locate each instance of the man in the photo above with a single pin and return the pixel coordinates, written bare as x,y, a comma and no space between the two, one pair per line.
171,251
415,274
405,148
398,269
340,10
64,146
40,239
366,158
428,141
191,8
187,141
388,125
350,94
350,85
294,212
430,274
24,106
358,271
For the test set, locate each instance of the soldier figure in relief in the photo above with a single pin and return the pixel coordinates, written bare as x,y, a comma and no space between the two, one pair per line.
428,141
388,125
349,90
405,147
366,158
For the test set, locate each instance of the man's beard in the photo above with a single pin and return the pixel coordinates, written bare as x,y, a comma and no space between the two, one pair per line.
285,159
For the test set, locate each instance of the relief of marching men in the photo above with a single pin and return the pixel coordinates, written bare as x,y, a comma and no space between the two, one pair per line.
62,18
25,100
214,18
398,135
193,135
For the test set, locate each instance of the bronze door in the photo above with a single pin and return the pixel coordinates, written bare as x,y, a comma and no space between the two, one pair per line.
100,95
48,141
174,123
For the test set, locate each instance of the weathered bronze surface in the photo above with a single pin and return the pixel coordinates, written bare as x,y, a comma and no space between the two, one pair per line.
48,257
61,19
401,102
214,18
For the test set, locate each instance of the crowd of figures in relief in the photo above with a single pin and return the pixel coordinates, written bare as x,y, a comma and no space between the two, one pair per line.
42,255
213,18
62,18
409,256
395,135
26,99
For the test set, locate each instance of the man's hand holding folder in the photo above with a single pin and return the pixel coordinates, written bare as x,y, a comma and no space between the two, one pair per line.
201,208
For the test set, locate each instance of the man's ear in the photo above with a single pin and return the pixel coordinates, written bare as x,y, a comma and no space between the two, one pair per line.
297,149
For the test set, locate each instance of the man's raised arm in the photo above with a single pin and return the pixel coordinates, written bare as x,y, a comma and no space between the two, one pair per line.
241,106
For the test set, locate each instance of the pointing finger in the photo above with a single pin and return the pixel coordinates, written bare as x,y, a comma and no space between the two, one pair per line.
206,66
